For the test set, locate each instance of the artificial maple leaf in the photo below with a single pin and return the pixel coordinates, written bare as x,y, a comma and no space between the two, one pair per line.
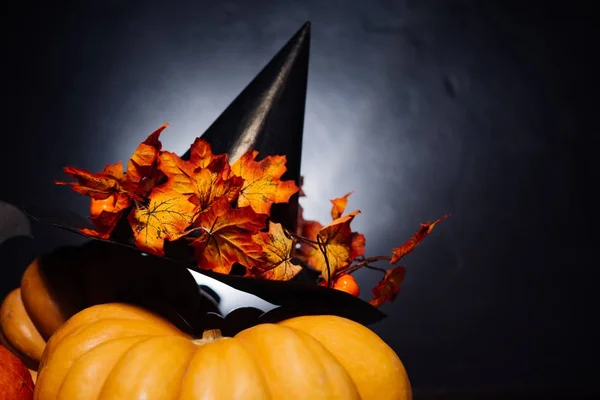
339,205
262,185
167,217
145,156
136,182
357,245
99,185
112,182
201,154
388,288
336,239
104,186
277,249
203,184
409,246
106,220
226,237
215,181
142,172
310,229
177,172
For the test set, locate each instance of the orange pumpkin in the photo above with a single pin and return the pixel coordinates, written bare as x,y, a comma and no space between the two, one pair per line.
120,351
56,286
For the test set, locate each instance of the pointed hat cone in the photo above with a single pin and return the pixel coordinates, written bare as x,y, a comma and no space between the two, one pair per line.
268,115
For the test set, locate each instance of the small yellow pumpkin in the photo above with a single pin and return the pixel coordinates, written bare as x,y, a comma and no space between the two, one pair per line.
121,351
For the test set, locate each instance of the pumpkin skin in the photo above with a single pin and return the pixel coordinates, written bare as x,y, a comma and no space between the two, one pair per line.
15,380
122,351
18,333
58,285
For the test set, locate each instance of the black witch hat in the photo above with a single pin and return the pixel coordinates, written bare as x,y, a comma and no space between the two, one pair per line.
268,116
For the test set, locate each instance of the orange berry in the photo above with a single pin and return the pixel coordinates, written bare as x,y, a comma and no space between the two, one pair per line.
347,283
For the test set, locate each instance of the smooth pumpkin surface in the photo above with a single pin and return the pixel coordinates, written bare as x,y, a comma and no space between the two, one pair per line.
18,330
121,351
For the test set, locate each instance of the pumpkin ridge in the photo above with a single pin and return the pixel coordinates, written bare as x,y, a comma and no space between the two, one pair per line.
132,353
88,335
229,351
102,388
187,366
28,361
252,352
311,342
22,333
257,362
331,369
101,346
60,337
81,329
104,311
327,330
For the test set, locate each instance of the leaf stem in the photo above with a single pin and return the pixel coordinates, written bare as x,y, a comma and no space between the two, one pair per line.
383,271
301,238
364,262
324,251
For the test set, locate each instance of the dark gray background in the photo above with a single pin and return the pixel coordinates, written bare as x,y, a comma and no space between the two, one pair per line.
476,108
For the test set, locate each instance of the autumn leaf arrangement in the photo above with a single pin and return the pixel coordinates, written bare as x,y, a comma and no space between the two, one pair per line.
222,210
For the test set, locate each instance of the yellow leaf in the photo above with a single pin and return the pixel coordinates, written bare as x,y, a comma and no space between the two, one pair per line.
167,217
336,239
277,248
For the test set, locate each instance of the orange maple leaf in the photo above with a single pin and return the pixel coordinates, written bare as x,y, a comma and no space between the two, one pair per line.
167,217
388,288
106,220
201,154
357,245
204,183
262,185
277,249
335,247
339,205
99,185
142,167
227,237
124,188
104,186
409,246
